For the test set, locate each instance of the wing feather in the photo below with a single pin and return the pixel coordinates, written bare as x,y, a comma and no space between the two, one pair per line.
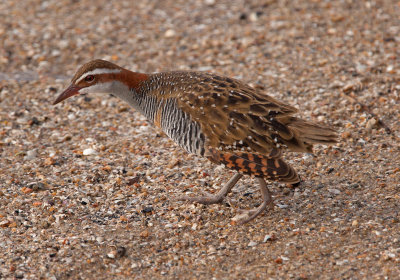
236,117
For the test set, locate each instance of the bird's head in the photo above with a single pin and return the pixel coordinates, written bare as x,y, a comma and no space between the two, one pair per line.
100,76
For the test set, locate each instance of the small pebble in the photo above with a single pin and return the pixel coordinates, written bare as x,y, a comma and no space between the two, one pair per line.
89,151
253,17
31,154
99,239
121,251
282,206
111,255
170,33
334,191
269,237
370,124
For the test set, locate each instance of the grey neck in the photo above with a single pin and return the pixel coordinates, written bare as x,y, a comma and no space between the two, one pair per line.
147,105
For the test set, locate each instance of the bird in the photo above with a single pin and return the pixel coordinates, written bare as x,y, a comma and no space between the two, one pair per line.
222,119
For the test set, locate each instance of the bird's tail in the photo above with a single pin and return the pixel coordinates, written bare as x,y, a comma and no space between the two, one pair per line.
305,134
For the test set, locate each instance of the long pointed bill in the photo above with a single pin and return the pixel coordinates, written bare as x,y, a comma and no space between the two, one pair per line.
70,91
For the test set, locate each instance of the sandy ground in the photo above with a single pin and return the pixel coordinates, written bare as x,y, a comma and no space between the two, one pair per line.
88,188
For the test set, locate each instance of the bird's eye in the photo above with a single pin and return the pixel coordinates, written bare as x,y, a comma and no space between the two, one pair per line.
89,78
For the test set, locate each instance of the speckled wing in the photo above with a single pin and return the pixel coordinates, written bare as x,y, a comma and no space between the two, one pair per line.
234,116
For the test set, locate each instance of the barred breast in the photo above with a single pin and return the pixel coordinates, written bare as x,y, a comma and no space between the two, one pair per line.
157,99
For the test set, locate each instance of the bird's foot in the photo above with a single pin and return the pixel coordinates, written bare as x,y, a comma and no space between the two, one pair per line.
245,216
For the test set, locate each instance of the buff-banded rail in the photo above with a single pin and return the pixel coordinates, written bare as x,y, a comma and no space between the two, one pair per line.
220,118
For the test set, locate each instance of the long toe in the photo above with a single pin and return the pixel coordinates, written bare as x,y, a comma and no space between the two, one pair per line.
245,216
204,199
214,198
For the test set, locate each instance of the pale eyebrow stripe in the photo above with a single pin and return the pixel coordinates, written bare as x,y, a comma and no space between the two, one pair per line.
98,71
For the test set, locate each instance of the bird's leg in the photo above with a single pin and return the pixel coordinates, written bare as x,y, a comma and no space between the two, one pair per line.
248,215
216,198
